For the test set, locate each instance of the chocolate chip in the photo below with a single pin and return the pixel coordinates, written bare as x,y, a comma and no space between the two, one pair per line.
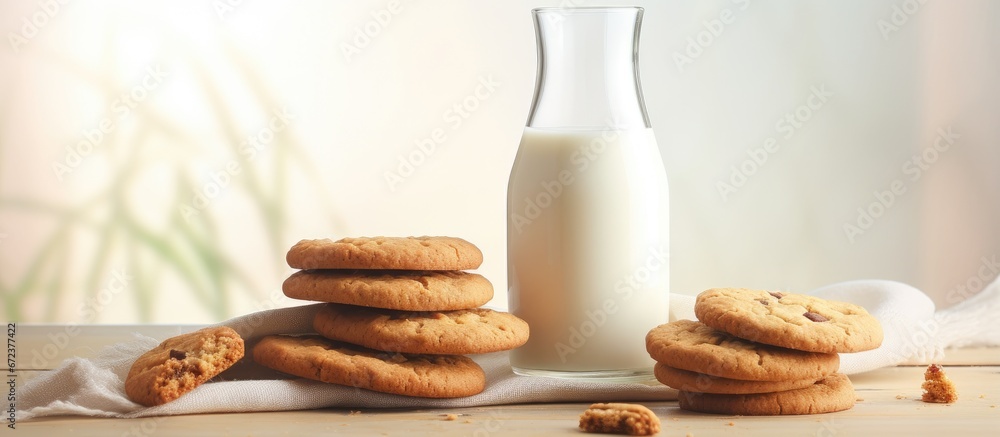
763,302
776,294
177,355
815,317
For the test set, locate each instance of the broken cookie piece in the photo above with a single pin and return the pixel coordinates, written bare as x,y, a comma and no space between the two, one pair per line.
937,387
615,418
181,363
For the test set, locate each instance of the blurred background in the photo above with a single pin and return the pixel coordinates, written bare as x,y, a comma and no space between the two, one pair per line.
158,158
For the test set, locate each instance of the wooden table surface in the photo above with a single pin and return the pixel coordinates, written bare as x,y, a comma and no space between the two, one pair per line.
890,405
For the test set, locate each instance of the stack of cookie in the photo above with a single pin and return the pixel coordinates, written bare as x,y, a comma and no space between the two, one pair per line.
755,352
402,314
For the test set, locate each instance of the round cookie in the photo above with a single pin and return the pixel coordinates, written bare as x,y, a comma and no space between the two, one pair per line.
702,383
459,332
690,345
179,364
386,253
396,290
833,393
794,321
314,357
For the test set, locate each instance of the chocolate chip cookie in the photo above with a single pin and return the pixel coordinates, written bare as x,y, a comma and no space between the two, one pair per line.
693,346
794,321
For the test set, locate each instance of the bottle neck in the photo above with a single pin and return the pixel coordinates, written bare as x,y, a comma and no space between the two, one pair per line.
588,69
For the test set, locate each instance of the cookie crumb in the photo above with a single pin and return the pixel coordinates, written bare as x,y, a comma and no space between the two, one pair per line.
731,424
937,387
859,399
354,413
982,396
617,418
450,417
900,396
690,434
468,421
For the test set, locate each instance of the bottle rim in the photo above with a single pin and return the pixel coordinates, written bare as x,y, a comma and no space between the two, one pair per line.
586,9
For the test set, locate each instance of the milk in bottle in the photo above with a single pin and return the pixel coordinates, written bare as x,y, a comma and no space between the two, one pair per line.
587,204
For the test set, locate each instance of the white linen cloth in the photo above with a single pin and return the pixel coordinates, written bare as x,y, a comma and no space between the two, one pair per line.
96,387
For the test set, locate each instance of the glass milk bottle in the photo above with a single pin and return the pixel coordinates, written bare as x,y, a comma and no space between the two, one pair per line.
587,204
